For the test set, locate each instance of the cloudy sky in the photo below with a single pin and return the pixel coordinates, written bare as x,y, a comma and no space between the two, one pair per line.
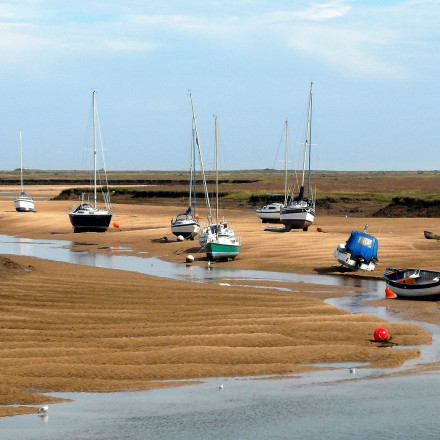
375,67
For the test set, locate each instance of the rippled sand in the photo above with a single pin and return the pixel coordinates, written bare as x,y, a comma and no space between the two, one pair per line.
75,328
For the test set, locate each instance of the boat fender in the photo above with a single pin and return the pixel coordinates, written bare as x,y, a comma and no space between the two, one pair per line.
389,293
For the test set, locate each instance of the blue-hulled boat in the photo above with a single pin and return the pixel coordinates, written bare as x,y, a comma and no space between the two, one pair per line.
359,252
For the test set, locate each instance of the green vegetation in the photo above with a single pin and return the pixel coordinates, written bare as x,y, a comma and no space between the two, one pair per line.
359,191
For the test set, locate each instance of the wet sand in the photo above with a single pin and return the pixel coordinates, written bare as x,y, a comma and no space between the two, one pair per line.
77,328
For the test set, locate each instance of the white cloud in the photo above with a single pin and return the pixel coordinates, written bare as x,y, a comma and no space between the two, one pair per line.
354,38
160,20
316,12
6,12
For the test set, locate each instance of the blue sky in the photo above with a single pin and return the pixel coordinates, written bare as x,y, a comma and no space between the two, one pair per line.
375,67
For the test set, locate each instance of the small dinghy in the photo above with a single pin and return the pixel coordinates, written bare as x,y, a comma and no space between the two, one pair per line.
359,252
413,283
431,236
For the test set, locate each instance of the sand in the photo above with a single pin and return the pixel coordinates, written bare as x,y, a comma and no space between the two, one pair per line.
76,328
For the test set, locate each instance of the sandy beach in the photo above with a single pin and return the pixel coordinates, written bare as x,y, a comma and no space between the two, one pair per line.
77,328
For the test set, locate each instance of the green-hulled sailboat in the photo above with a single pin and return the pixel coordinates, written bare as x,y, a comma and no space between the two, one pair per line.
221,243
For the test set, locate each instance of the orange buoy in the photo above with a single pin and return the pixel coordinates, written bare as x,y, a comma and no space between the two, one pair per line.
389,293
381,334
115,224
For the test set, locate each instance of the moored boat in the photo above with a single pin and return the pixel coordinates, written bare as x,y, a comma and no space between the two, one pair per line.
299,212
431,236
87,217
23,203
359,252
186,224
218,239
270,213
221,243
413,283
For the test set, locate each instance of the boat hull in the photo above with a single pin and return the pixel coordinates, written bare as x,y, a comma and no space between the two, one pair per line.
431,236
90,222
297,217
24,204
346,260
187,228
413,283
221,251
269,213
225,235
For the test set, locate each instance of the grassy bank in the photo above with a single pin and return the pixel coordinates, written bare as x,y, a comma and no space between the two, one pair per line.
337,193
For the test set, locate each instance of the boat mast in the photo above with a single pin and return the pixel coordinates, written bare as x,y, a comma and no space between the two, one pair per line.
21,165
285,161
191,170
194,177
94,149
216,171
309,188
306,149
205,186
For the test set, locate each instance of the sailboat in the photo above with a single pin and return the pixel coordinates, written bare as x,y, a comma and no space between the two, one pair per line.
271,212
88,217
186,224
219,238
299,212
23,203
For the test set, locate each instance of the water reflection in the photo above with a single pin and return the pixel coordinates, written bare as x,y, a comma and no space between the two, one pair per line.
59,250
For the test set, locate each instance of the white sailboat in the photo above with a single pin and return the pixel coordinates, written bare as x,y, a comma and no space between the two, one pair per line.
186,224
23,203
271,212
219,238
299,212
202,236
88,217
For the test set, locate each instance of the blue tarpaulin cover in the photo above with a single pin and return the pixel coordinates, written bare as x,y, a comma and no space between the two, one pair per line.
360,244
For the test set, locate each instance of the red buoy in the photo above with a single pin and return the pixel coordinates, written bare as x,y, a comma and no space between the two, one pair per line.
381,334
389,293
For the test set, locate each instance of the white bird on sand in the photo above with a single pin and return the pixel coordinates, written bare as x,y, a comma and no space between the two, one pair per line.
43,409
352,370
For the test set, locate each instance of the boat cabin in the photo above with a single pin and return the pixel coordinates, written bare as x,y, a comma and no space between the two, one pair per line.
360,244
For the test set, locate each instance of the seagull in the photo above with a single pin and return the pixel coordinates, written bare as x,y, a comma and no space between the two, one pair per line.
220,387
352,370
43,409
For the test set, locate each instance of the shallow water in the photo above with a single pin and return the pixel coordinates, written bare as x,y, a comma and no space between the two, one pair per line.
333,404
64,251
382,408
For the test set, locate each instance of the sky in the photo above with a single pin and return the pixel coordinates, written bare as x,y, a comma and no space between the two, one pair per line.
375,68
